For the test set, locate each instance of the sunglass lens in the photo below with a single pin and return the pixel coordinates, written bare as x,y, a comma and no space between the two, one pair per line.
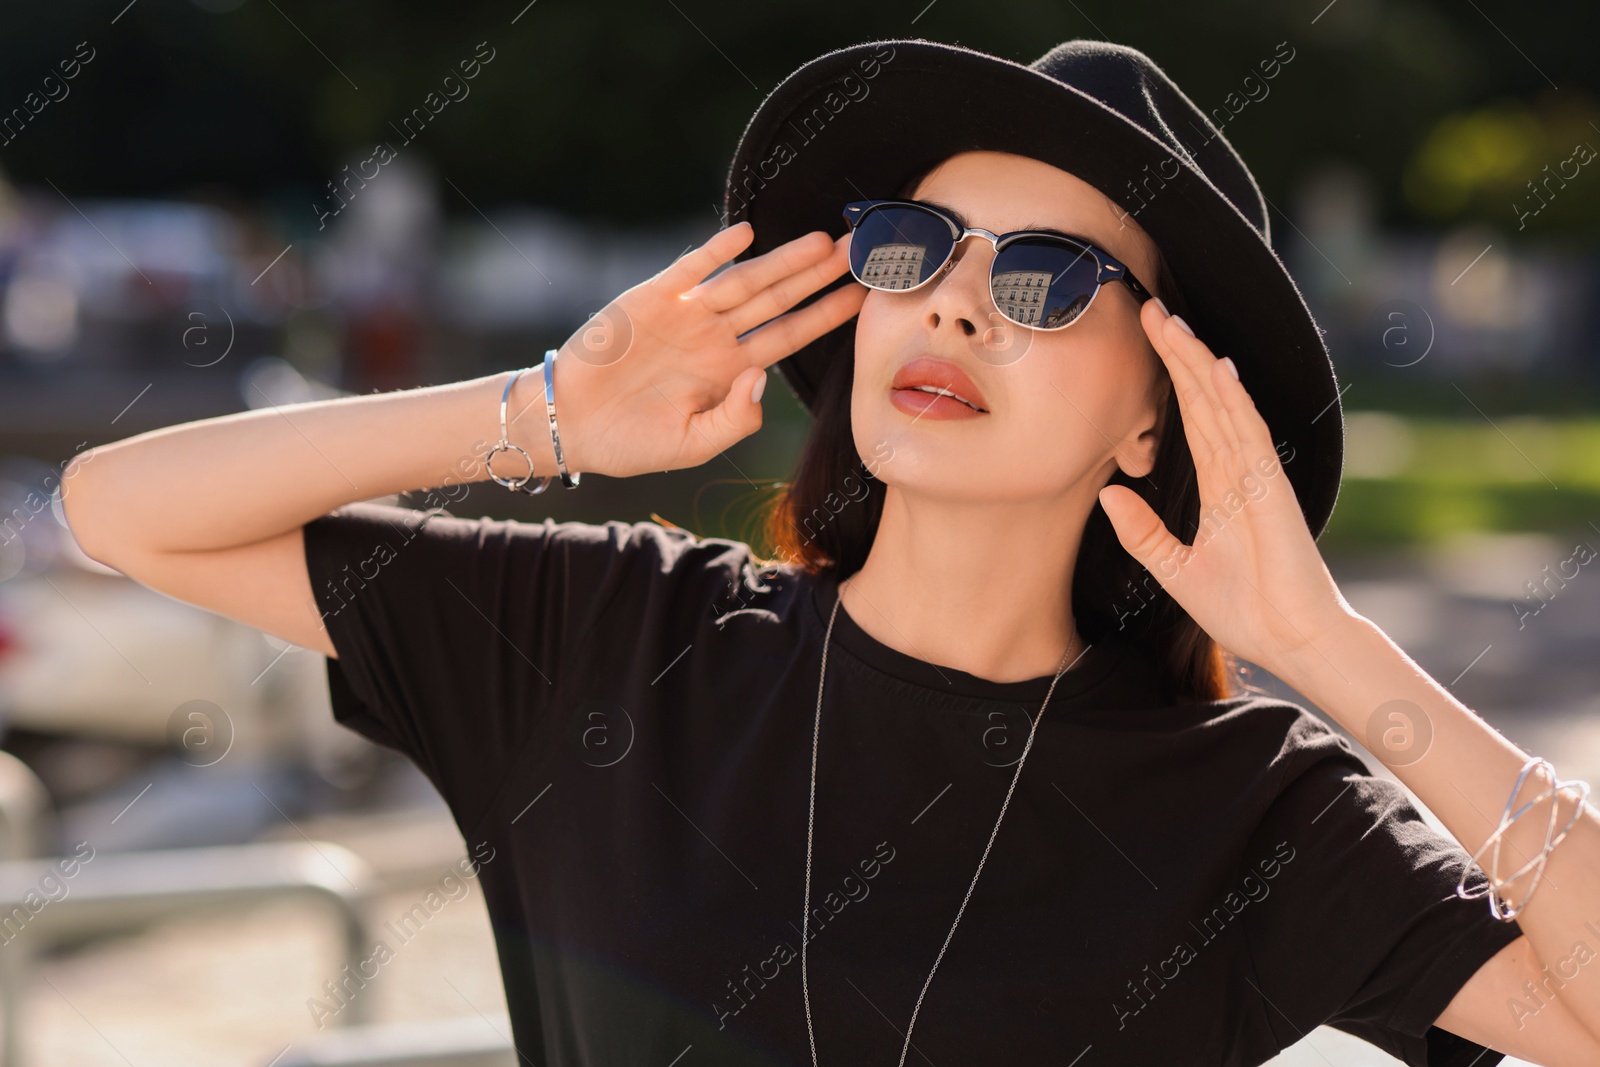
898,247
1042,283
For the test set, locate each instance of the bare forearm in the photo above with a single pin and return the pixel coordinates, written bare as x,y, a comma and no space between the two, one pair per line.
1463,770
236,479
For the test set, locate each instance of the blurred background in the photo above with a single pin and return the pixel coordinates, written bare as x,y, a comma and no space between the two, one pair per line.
208,206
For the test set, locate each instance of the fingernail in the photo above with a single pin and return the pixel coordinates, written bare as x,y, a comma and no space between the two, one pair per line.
761,385
1179,320
1161,304
1231,368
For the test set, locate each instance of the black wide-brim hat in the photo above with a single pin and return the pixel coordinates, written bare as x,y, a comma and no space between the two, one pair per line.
857,123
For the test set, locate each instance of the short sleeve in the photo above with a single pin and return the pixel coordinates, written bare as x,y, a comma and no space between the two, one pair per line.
453,634
1362,929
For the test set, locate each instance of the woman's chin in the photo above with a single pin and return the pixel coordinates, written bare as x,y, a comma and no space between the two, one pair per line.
916,459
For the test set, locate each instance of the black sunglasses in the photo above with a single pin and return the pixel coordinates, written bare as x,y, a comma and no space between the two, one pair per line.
1041,280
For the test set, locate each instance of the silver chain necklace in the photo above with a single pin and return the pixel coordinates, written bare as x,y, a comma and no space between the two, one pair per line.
811,821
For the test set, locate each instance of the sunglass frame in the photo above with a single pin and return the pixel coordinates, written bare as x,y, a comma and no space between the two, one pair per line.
1108,267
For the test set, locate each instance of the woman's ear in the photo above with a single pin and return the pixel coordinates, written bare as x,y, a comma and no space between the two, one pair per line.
1138,458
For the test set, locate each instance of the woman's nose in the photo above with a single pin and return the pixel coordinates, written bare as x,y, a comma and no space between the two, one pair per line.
960,292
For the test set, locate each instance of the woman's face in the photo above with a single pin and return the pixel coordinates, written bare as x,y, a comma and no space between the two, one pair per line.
1063,408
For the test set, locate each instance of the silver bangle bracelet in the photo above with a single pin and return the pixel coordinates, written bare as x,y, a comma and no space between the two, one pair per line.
568,479
1499,907
505,445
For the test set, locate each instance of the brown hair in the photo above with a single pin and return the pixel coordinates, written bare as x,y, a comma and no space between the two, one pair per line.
825,519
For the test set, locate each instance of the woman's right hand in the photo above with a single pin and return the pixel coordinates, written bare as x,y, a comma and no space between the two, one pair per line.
661,378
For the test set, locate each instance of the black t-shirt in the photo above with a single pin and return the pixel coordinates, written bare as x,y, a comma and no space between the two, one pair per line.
624,713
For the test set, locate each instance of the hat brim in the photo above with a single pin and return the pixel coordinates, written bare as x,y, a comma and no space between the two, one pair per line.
853,125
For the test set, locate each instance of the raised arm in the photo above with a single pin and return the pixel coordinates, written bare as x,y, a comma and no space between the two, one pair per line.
239,479
210,512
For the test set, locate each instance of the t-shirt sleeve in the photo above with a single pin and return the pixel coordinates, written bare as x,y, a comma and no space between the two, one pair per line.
453,634
1362,929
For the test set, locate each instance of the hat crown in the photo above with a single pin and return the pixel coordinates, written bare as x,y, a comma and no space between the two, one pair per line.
1128,82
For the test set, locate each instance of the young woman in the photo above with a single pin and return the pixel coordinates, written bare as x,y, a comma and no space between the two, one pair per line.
962,770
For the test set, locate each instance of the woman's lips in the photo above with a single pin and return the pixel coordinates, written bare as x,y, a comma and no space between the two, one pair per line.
931,405
919,381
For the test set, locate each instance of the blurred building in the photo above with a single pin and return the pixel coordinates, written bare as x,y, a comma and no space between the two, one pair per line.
122,315
1469,300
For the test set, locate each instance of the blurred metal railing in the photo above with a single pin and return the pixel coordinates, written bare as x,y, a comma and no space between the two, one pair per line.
24,809
24,819
469,1041
42,905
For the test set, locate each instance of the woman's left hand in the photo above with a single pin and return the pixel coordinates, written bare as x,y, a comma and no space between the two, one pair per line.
1253,579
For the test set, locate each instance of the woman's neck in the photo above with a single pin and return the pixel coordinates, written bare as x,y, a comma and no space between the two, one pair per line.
978,586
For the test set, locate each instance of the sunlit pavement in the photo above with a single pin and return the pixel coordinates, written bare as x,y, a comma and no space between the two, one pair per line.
234,990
